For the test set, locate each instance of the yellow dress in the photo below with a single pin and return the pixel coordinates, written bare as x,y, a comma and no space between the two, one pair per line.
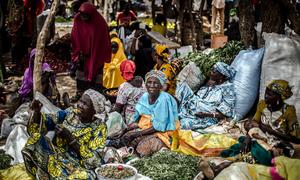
111,72
168,70
159,28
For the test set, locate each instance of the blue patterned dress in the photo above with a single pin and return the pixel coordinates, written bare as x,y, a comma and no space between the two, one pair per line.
219,98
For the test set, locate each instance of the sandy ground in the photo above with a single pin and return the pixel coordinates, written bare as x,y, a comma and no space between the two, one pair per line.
66,84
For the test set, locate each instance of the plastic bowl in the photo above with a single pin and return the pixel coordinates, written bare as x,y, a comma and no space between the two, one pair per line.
116,165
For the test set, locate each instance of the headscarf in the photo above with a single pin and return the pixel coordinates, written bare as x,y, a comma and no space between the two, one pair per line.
127,69
161,50
27,82
282,88
92,39
225,69
157,74
100,104
113,33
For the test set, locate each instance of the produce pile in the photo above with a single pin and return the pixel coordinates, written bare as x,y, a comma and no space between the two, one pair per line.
61,47
224,54
167,165
116,172
57,65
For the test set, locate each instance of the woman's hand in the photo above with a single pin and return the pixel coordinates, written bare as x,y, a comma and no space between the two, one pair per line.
64,133
203,114
36,106
246,146
129,136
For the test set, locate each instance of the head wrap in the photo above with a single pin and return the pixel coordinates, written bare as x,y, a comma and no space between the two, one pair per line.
225,69
157,74
282,88
113,33
161,50
127,69
100,104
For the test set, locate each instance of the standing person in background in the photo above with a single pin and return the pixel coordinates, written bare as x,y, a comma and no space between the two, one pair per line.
160,24
125,17
112,76
91,48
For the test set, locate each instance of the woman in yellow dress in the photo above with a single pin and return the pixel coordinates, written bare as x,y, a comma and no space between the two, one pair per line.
112,76
160,56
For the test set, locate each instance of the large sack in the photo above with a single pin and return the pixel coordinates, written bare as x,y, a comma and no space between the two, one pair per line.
246,81
282,61
192,75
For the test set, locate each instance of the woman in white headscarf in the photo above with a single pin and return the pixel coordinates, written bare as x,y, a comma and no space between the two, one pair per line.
79,142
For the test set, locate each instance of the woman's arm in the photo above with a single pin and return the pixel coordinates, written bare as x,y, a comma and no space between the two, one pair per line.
216,115
282,136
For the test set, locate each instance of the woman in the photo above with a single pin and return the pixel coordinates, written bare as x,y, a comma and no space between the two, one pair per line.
275,118
48,81
156,118
78,145
160,56
141,48
91,47
112,76
214,101
129,92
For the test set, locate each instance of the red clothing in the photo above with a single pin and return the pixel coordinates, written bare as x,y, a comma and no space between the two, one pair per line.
92,39
30,15
125,20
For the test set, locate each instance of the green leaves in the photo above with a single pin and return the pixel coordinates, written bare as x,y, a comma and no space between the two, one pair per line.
225,54
168,165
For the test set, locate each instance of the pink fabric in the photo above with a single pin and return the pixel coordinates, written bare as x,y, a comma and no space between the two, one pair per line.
127,69
273,172
92,39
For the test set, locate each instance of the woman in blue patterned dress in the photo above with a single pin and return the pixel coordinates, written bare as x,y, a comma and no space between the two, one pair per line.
214,101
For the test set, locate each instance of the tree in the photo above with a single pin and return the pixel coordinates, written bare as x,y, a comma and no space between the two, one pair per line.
247,23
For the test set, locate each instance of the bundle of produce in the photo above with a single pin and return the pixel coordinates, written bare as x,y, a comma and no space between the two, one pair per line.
224,54
57,65
61,47
167,165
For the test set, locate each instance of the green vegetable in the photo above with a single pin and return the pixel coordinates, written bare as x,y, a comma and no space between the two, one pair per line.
5,160
168,165
116,172
224,54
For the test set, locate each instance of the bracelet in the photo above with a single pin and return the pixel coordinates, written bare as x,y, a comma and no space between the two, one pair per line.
72,142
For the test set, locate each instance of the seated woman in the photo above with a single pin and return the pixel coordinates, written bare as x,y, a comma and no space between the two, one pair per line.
78,144
48,81
129,92
160,56
214,101
111,73
274,120
156,118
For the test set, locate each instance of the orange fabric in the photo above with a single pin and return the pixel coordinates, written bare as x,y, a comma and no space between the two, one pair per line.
145,123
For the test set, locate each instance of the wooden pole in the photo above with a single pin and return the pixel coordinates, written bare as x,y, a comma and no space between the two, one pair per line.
40,47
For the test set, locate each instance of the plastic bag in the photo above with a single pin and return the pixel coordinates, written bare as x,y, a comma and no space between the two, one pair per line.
246,81
192,75
281,61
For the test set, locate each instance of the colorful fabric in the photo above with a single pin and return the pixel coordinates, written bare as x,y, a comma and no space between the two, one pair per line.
284,120
128,95
91,38
285,168
163,112
15,173
201,145
160,29
60,161
259,154
225,69
127,69
170,74
162,51
158,75
219,98
27,82
282,88
112,77
99,102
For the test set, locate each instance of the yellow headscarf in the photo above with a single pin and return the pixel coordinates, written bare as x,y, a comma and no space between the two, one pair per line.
282,88
160,50
113,33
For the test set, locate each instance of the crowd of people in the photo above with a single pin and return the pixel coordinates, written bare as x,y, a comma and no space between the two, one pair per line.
151,109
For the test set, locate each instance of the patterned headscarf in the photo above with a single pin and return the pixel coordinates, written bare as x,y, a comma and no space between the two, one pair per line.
282,88
225,69
99,102
161,50
157,74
